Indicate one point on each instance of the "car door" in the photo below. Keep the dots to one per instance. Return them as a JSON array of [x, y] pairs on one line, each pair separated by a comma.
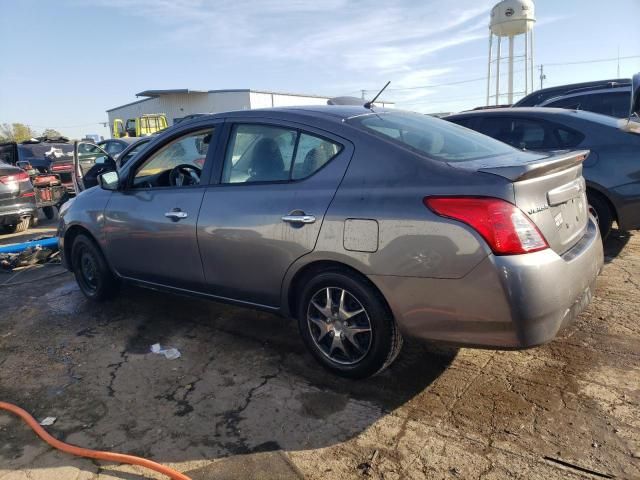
[[150, 223], [275, 181]]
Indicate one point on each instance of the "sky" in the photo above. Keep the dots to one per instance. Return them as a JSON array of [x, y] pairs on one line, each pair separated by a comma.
[[65, 62]]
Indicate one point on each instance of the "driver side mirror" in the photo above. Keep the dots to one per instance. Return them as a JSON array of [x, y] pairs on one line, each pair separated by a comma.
[[109, 180], [635, 95]]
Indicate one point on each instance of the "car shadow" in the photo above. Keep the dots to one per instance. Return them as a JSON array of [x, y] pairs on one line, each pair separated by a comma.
[[615, 243], [244, 389]]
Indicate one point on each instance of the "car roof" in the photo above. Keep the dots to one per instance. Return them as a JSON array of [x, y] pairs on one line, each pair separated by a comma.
[[583, 87], [328, 112]]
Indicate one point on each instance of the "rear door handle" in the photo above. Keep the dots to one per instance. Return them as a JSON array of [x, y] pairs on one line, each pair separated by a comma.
[[299, 218], [176, 214]]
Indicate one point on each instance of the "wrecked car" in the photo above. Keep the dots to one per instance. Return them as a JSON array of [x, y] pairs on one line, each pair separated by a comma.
[[18, 208], [35, 157], [364, 224]]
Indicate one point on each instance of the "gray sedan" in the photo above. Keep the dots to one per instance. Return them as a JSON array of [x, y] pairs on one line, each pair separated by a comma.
[[612, 170], [365, 225]]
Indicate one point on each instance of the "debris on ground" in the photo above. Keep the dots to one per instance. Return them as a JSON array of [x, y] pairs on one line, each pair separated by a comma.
[[47, 421], [365, 467], [169, 353], [34, 252]]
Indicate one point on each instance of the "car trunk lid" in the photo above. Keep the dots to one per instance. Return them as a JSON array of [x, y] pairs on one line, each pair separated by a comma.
[[549, 189]]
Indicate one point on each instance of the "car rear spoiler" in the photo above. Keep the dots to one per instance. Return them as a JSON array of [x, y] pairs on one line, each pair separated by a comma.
[[544, 166]]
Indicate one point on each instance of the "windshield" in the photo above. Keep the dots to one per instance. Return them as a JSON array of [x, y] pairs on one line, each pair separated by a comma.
[[126, 156], [432, 137]]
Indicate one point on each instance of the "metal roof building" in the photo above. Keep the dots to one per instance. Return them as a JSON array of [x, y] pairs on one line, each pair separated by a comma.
[[178, 103]]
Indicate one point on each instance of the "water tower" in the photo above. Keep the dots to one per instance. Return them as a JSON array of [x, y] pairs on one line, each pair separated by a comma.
[[513, 19]]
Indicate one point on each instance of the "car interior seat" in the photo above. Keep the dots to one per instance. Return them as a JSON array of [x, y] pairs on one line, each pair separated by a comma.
[[313, 160], [266, 162]]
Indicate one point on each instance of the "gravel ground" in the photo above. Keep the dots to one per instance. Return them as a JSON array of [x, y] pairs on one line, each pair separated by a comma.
[[246, 401]]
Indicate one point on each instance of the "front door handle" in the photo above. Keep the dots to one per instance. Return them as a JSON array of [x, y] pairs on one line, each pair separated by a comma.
[[302, 218], [176, 214]]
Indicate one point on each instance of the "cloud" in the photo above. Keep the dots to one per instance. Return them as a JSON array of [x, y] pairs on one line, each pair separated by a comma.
[[345, 41], [388, 35]]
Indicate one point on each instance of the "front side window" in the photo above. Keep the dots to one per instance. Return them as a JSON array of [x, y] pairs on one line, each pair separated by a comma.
[[432, 137], [259, 153], [267, 153], [615, 104], [177, 164]]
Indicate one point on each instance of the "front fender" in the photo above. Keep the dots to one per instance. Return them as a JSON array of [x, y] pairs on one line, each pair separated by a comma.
[[85, 212]]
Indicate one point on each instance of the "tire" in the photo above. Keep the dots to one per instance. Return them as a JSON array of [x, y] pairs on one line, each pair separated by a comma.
[[369, 340], [49, 212], [601, 210], [22, 226], [92, 273]]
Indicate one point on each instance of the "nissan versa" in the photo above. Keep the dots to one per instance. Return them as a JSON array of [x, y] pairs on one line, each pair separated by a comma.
[[366, 225]]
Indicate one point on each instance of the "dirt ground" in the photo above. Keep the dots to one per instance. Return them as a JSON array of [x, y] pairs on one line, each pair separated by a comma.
[[246, 401]]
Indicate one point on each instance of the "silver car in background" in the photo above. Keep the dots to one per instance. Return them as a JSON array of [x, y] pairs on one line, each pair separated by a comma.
[[365, 225]]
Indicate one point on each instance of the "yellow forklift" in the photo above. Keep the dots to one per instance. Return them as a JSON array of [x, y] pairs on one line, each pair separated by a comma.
[[139, 126]]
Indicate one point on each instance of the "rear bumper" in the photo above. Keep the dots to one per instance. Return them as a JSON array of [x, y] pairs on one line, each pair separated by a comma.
[[515, 301], [12, 213]]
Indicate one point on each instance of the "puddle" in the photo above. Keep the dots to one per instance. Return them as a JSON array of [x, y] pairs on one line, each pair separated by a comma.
[[65, 300]]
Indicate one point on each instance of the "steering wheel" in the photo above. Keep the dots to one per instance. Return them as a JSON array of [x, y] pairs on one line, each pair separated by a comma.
[[184, 174]]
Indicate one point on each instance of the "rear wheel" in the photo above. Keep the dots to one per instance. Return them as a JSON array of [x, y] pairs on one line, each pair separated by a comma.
[[22, 226], [92, 273], [600, 209], [346, 325]]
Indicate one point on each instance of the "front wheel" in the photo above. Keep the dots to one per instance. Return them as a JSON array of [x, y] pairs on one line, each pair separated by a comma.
[[346, 325], [92, 273]]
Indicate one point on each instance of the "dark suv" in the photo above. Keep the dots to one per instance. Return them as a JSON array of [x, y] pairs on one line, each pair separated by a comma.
[[609, 97]]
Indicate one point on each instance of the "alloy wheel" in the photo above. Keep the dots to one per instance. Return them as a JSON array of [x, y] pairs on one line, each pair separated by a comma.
[[339, 325]]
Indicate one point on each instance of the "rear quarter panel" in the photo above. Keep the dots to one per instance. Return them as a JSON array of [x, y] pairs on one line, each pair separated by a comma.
[[387, 184]]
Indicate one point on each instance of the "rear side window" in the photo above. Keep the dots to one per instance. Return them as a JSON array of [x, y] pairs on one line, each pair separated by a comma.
[[568, 138], [312, 154], [435, 138], [531, 134], [268, 153]]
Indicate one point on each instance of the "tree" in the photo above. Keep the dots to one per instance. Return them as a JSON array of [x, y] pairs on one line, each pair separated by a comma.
[[51, 133], [16, 132]]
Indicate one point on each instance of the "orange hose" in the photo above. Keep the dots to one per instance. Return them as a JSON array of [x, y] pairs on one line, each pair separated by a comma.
[[85, 452]]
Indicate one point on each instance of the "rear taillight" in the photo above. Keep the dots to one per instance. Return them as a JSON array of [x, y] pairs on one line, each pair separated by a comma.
[[18, 177], [64, 167], [506, 229]]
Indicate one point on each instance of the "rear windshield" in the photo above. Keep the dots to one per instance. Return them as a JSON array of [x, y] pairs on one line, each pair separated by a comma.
[[432, 137]]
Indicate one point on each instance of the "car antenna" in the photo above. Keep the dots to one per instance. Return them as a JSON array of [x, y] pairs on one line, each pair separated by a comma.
[[369, 104]]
